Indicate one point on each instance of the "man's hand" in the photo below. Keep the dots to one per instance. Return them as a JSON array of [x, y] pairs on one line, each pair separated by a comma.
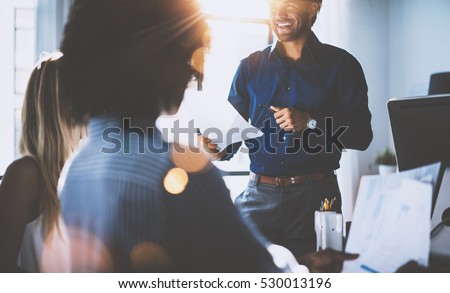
[[205, 144], [413, 267], [326, 261], [290, 119]]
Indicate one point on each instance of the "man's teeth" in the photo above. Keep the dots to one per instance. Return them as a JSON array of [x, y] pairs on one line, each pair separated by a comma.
[[284, 24]]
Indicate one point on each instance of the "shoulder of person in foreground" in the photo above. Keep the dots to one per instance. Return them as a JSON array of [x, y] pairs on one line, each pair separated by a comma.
[[219, 239]]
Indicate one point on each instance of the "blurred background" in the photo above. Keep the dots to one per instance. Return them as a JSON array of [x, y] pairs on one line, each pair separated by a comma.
[[399, 44]]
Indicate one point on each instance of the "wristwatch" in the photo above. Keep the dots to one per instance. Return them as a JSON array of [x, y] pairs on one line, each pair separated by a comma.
[[312, 123]]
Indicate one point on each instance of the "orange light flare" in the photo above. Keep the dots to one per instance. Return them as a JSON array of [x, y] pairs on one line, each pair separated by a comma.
[[176, 181], [150, 257], [89, 253], [190, 159]]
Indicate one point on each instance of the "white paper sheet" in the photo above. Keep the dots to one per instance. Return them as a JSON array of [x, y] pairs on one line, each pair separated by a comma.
[[219, 121], [384, 240]]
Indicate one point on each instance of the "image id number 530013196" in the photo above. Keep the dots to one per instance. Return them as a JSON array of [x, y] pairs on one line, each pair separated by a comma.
[[295, 283]]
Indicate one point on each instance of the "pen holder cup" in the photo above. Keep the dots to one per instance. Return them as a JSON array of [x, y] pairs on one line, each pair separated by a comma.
[[329, 230]]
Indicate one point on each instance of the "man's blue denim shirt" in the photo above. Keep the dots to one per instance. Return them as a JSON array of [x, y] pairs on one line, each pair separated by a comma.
[[325, 82]]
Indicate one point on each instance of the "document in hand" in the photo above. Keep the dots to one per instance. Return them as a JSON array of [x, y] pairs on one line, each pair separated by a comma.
[[391, 222], [219, 121]]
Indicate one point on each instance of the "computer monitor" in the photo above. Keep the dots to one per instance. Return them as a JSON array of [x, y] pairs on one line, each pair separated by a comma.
[[421, 130]]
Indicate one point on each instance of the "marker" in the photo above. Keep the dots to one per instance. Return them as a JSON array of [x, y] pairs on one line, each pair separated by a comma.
[[368, 269], [332, 202], [267, 108]]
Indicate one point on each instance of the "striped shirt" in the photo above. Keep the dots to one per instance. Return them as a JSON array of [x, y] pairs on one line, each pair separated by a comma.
[[129, 206]]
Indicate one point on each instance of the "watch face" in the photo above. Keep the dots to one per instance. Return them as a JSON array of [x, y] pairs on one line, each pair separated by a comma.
[[312, 124]]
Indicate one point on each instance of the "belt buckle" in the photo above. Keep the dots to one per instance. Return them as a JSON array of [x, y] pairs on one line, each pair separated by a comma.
[[278, 181], [293, 180]]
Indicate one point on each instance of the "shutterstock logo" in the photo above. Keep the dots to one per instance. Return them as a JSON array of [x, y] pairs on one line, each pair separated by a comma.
[[130, 138]]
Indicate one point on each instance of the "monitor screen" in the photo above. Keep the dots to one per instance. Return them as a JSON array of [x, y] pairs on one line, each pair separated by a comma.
[[421, 130]]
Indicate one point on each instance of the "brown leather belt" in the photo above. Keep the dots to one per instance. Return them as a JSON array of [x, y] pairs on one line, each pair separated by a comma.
[[285, 181]]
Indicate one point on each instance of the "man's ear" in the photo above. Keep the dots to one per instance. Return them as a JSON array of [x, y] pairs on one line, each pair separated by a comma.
[[315, 8], [313, 11]]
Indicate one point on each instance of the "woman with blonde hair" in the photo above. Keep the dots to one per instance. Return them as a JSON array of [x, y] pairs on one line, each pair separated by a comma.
[[29, 204]]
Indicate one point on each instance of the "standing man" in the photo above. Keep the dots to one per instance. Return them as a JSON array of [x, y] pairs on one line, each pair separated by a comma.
[[310, 101]]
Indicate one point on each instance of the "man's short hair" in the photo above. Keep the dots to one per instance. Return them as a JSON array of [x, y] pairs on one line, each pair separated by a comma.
[[128, 58], [317, 1]]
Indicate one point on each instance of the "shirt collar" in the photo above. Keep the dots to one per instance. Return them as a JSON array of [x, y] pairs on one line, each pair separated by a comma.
[[311, 47], [98, 124]]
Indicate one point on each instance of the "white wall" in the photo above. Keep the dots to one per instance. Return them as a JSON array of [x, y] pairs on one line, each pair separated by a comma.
[[419, 44]]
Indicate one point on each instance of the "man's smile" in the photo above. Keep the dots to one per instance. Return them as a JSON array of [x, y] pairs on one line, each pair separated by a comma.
[[284, 25]]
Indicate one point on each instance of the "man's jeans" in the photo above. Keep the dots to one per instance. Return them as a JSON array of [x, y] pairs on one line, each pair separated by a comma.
[[285, 215]]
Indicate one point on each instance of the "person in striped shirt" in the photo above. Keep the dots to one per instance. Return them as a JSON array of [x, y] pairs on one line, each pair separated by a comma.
[[131, 201]]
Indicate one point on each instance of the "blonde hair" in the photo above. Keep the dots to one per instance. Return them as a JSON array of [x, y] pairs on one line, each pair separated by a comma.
[[46, 136]]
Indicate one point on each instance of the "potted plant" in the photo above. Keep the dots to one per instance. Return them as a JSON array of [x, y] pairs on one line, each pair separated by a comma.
[[386, 161]]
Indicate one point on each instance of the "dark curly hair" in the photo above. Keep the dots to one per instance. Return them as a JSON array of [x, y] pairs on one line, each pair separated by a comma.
[[129, 58]]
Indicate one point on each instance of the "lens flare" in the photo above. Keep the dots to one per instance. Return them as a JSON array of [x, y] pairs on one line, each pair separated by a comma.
[[190, 159], [150, 257], [198, 59], [88, 253], [55, 257], [176, 181]]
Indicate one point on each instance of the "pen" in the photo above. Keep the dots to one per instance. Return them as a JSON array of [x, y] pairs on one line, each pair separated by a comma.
[[332, 202], [266, 107]]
